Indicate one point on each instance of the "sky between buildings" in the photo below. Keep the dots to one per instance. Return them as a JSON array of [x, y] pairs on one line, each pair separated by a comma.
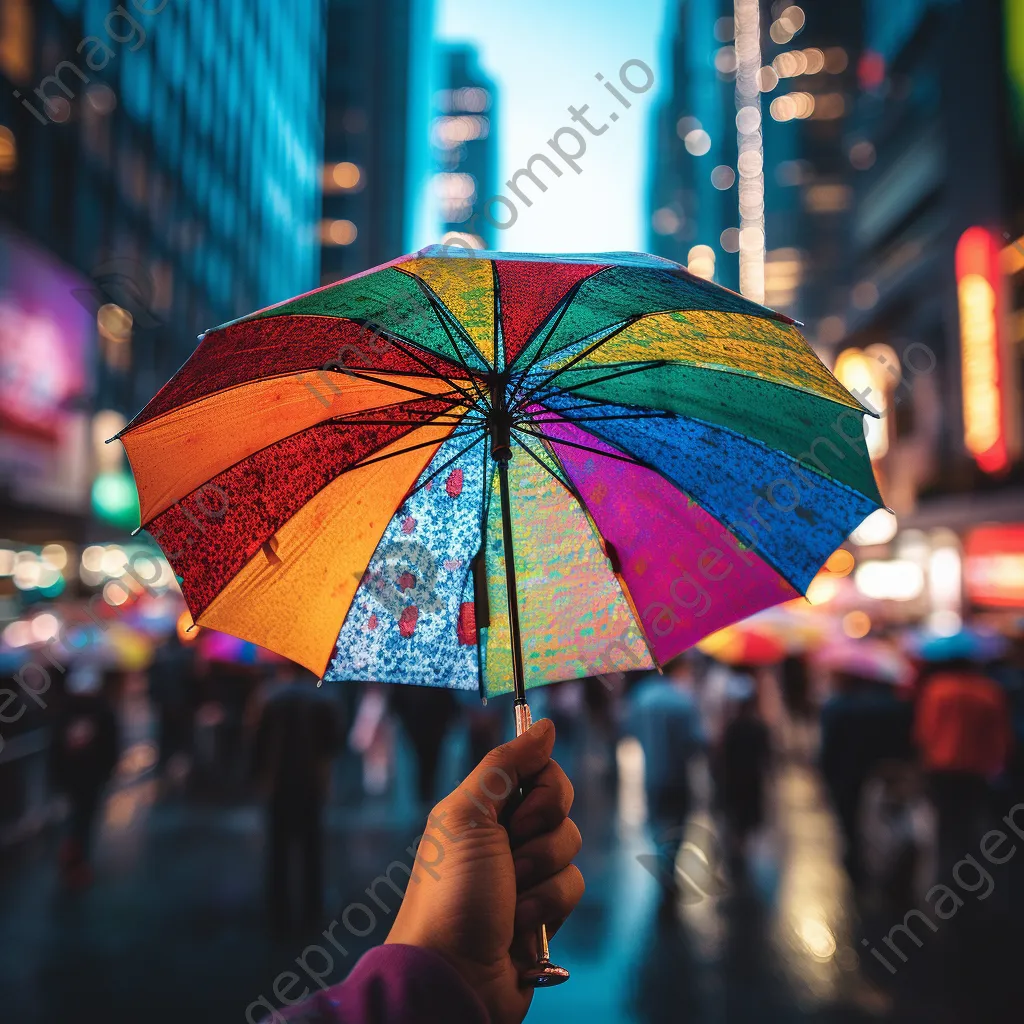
[[543, 55]]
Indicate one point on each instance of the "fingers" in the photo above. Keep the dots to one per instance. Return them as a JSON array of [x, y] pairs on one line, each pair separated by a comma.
[[544, 807], [550, 902], [546, 854], [500, 774]]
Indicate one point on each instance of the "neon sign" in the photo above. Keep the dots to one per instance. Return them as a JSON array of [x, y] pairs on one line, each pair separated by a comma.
[[978, 289]]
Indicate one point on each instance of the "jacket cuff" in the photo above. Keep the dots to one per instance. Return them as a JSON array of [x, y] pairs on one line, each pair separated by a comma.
[[397, 984]]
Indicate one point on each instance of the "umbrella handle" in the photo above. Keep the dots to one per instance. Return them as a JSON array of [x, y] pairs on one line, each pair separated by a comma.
[[543, 974]]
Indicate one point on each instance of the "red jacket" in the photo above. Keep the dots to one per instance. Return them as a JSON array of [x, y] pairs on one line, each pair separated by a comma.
[[963, 725]]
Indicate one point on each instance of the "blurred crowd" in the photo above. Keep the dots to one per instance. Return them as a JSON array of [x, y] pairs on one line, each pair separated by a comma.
[[919, 741]]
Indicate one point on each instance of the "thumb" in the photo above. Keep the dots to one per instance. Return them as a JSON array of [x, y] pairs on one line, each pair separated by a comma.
[[494, 781]]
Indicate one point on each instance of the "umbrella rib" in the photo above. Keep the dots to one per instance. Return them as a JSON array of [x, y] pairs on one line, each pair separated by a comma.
[[582, 447], [342, 422], [583, 403], [582, 355], [411, 448], [566, 303], [368, 415], [645, 464], [610, 366], [412, 406], [438, 307], [401, 387], [653, 365], [654, 414], [444, 465], [396, 341], [565, 483], [469, 373]]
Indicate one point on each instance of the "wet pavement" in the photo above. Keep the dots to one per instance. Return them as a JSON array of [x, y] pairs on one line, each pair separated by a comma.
[[173, 928]]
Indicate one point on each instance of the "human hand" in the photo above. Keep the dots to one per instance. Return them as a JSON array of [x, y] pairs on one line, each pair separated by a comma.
[[480, 889]]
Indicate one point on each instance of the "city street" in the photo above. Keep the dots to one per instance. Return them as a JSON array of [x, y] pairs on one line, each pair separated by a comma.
[[398, 397], [177, 911]]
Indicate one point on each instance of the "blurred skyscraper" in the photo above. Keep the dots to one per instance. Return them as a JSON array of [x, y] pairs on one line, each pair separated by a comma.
[[808, 89], [893, 212], [933, 156], [693, 159], [169, 152], [742, 170], [380, 75], [466, 148]]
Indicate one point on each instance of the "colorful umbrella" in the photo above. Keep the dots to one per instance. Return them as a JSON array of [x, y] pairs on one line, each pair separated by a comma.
[[970, 643], [736, 645], [225, 648], [494, 471], [867, 658]]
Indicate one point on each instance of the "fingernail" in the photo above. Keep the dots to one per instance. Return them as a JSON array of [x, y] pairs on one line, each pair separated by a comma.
[[541, 727]]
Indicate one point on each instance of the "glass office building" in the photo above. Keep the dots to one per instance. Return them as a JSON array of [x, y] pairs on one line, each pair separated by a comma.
[[171, 152], [162, 157], [381, 63], [465, 144], [693, 138], [747, 157]]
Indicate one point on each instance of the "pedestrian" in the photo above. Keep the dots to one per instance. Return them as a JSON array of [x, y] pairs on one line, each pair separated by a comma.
[[795, 685], [664, 717], [425, 712], [171, 685], [743, 763], [799, 734], [296, 740], [486, 724], [83, 755], [964, 733], [864, 724]]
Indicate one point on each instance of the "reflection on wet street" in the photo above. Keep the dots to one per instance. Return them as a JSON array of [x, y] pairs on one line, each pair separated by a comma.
[[177, 909]]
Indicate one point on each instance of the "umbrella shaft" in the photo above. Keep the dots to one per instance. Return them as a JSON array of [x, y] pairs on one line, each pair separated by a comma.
[[515, 645], [543, 973]]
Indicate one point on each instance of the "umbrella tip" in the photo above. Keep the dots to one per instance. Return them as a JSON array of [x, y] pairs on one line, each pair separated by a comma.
[[135, 531], [319, 683]]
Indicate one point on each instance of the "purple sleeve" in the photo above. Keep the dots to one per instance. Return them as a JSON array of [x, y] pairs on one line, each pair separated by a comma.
[[394, 985]]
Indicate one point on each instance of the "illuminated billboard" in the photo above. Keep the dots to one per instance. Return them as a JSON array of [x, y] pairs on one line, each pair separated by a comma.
[[46, 358], [994, 565], [984, 368]]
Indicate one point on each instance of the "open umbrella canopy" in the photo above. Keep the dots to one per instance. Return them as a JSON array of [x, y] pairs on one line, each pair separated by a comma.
[[736, 645], [326, 475], [225, 648], [867, 658], [966, 644]]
